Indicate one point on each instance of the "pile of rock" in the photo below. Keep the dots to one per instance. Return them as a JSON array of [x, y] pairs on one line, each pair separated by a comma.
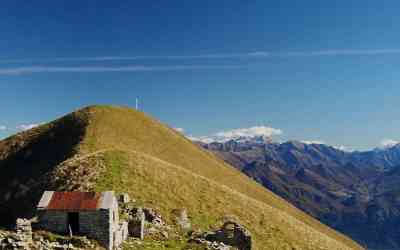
[[20, 239], [76, 243], [153, 217], [23, 229], [231, 234], [10, 242], [23, 239], [47, 245], [211, 245]]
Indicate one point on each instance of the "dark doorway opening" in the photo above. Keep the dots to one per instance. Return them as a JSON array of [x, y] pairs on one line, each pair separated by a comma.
[[73, 223]]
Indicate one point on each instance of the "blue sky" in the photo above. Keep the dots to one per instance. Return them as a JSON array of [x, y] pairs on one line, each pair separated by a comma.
[[315, 70]]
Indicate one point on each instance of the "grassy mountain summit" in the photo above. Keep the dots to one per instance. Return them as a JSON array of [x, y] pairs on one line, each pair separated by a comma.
[[109, 147]]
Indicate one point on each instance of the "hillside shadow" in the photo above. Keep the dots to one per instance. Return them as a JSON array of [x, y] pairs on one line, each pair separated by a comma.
[[29, 159]]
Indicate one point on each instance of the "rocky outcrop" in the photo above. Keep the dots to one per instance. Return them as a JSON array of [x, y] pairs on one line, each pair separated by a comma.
[[231, 234]]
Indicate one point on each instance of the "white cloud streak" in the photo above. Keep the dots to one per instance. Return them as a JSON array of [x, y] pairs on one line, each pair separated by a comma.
[[96, 69], [223, 136], [387, 143], [341, 52], [343, 148], [140, 68], [204, 139], [257, 131], [2, 127], [248, 132], [180, 130], [313, 142], [340, 147], [135, 58], [254, 54]]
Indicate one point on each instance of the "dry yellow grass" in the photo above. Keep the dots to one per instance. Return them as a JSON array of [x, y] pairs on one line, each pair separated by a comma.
[[109, 147], [131, 131], [166, 186]]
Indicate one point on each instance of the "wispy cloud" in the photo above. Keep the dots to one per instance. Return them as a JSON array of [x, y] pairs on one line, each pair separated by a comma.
[[343, 148], [340, 147], [232, 134], [248, 132], [134, 58], [34, 68], [252, 54], [180, 130], [259, 131], [96, 69], [340, 52], [204, 139], [24, 127], [2, 127], [313, 142], [387, 143]]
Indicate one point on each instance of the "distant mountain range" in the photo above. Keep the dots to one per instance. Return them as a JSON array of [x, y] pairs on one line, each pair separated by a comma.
[[297, 154], [357, 193]]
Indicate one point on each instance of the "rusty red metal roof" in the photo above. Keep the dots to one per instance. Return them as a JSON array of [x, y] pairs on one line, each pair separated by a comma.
[[74, 201]]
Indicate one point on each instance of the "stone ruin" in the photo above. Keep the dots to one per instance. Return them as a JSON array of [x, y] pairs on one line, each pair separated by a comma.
[[136, 224], [153, 217], [182, 219], [23, 229], [124, 198], [231, 234], [21, 239], [139, 217]]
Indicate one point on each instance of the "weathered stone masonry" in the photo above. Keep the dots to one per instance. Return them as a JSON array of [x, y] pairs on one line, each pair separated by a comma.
[[95, 215]]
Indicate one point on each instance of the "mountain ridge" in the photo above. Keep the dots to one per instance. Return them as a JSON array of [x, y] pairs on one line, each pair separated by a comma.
[[127, 151], [354, 192], [385, 157]]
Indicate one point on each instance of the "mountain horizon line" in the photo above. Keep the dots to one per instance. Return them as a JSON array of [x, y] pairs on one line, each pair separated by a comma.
[[269, 140]]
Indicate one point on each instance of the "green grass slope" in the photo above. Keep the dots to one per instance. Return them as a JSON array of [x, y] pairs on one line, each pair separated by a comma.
[[128, 151]]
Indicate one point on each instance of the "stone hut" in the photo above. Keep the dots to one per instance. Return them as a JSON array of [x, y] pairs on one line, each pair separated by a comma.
[[91, 214]]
